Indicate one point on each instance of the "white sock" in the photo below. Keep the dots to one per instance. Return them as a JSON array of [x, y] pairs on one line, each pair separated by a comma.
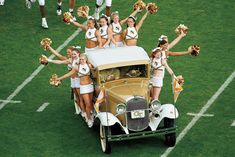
[[59, 4], [70, 10], [44, 19]]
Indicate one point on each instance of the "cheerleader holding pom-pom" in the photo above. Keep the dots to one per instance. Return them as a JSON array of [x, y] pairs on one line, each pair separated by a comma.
[[86, 86]]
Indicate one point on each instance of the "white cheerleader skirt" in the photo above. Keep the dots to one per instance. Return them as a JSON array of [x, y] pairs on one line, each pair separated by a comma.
[[84, 89], [156, 81], [119, 44], [75, 82], [87, 50]]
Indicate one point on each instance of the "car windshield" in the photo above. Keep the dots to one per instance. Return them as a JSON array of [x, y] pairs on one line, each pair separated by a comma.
[[135, 71]]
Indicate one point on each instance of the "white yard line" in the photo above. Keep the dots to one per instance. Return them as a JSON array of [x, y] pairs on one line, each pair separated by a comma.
[[202, 115], [233, 124], [43, 106], [11, 101], [202, 111], [35, 73]]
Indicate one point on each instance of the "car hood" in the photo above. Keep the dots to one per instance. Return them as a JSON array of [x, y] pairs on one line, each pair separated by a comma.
[[125, 90]]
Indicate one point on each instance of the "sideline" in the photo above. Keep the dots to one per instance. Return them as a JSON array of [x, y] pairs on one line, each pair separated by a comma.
[[202, 111], [35, 73]]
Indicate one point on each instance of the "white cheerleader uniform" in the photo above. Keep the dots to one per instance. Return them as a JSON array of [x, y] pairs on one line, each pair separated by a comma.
[[117, 29], [75, 82], [104, 33], [90, 35], [156, 64], [131, 33], [84, 70]]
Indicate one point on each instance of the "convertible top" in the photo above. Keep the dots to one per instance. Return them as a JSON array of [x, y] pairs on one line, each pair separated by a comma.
[[116, 57]]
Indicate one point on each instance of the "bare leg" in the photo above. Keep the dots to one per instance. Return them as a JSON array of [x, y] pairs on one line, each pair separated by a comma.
[[71, 5], [59, 7], [86, 99], [43, 15], [79, 99], [108, 11], [156, 93]]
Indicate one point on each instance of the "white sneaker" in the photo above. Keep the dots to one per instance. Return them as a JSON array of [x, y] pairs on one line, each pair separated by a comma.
[[2, 2], [44, 24], [28, 4], [90, 123], [33, 1], [97, 11], [59, 12]]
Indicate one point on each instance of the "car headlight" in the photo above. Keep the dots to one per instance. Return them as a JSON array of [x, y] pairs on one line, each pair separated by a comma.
[[155, 106], [121, 108]]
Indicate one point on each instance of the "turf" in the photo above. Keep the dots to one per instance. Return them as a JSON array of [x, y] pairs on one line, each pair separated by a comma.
[[58, 132]]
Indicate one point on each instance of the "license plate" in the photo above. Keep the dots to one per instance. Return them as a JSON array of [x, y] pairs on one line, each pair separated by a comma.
[[137, 114]]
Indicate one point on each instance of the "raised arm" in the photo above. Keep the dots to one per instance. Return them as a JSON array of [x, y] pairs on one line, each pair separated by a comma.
[[53, 51], [138, 26], [58, 61], [132, 14], [176, 40], [69, 74], [169, 53], [84, 27]]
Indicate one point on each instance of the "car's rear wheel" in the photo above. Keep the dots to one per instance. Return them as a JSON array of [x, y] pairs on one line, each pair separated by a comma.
[[105, 144], [170, 139]]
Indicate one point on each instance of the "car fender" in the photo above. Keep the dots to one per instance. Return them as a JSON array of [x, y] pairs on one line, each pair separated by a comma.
[[108, 119], [169, 111]]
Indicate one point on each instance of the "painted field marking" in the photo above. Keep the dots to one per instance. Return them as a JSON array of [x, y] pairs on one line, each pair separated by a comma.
[[43, 106], [35, 73], [202, 111], [233, 124], [202, 115], [11, 101]]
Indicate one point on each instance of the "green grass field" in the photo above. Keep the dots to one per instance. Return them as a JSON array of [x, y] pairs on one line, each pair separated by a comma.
[[58, 132]]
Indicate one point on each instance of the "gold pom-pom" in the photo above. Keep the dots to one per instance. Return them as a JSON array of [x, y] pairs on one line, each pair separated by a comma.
[[194, 50], [81, 10], [67, 17], [180, 80], [53, 80], [45, 43], [43, 60], [180, 28], [139, 4], [152, 8]]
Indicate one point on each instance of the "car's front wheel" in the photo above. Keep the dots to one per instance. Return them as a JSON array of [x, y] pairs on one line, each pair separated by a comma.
[[170, 139], [105, 144]]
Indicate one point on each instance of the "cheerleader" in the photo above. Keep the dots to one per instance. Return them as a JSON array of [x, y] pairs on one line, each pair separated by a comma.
[[115, 28], [130, 34], [92, 36], [158, 66], [86, 86], [105, 34], [165, 46], [71, 60]]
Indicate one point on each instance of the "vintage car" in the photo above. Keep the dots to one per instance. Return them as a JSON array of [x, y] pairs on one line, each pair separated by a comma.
[[121, 78]]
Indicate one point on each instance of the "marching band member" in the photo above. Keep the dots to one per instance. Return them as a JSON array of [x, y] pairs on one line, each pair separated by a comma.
[[93, 37], [28, 4], [59, 6], [71, 61], [86, 85], [130, 34], [158, 66], [115, 28], [105, 34], [98, 5]]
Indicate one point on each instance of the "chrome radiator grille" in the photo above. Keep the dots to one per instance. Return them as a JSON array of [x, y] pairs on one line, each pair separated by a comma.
[[137, 114]]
